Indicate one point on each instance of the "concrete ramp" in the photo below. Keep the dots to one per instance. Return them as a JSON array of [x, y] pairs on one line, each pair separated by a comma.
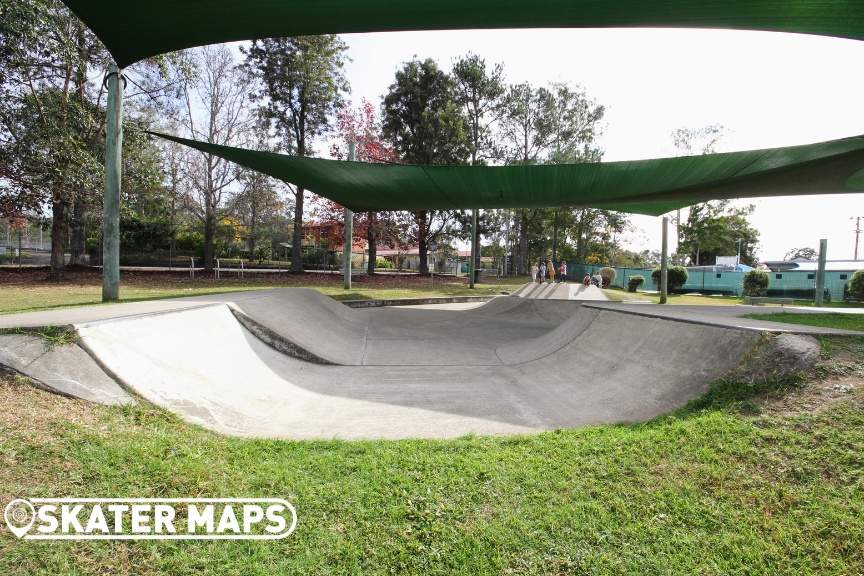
[[546, 291], [306, 324], [596, 366], [309, 326], [512, 365]]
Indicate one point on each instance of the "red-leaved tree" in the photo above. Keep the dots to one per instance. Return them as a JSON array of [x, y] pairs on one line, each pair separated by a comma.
[[390, 228]]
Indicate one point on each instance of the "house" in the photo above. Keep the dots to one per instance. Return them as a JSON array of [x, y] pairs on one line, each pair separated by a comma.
[[324, 234]]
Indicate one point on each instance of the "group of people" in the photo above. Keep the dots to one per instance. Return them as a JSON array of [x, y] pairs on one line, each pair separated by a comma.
[[540, 270], [595, 280]]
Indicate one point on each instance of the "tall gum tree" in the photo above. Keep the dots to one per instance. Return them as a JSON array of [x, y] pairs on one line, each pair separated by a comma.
[[480, 91], [557, 124], [217, 102], [424, 122], [303, 81]]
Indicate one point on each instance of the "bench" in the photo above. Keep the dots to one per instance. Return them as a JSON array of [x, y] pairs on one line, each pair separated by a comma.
[[767, 300]]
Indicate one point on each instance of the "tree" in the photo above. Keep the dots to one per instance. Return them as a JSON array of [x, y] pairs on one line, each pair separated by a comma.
[[52, 119], [557, 124], [755, 283], [258, 206], [361, 126], [50, 136], [676, 277], [802, 254], [480, 92], [713, 229], [303, 82], [856, 285], [423, 120], [704, 140], [575, 125], [221, 90], [691, 142]]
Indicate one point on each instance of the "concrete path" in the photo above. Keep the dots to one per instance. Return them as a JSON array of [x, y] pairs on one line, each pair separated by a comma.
[[510, 365]]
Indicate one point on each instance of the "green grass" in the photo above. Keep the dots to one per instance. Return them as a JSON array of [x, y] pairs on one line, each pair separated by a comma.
[[29, 291], [714, 488], [56, 335], [828, 320]]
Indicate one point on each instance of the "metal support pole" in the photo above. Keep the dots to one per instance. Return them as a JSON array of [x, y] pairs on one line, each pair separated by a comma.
[[473, 266], [664, 262], [857, 233], [820, 272], [111, 203], [349, 228]]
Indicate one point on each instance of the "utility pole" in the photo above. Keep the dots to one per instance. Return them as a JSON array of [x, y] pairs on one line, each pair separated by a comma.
[[820, 274], [664, 262], [857, 233], [738, 260], [115, 83]]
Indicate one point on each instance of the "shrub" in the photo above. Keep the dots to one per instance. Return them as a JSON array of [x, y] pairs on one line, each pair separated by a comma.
[[676, 277], [634, 282], [383, 263], [188, 240], [755, 283], [856, 285], [608, 275]]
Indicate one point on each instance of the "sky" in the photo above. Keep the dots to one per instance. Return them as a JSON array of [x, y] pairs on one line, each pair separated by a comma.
[[767, 89]]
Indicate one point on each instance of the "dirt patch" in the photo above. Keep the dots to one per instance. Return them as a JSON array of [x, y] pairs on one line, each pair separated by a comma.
[[837, 376]]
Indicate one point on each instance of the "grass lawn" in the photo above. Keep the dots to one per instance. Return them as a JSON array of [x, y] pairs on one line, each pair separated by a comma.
[[828, 320], [27, 290]]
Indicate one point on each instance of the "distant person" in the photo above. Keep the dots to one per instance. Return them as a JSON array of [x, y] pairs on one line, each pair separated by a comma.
[[562, 273], [587, 280], [542, 274], [551, 268], [598, 280], [534, 271]]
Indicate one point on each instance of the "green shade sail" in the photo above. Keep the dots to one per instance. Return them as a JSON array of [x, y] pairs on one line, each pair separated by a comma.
[[650, 187], [136, 29]]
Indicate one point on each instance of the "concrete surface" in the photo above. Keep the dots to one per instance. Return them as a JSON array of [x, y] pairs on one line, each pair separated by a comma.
[[510, 365], [63, 369]]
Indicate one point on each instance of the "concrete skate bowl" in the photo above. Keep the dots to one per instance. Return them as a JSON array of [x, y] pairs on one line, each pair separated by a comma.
[[508, 366]]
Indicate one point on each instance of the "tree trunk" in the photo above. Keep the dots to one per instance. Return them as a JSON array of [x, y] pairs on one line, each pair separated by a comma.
[[59, 229], [422, 241], [523, 242], [371, 239], [423, 254], [296, 252], [79, 232], [517, 265], [555, 235], [209, 234]]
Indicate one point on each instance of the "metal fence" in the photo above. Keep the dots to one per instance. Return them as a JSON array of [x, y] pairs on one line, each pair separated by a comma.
[[791, 284], [30, 237]]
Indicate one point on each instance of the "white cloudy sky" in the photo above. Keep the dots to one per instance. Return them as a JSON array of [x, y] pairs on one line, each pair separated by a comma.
[[768, 89]]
